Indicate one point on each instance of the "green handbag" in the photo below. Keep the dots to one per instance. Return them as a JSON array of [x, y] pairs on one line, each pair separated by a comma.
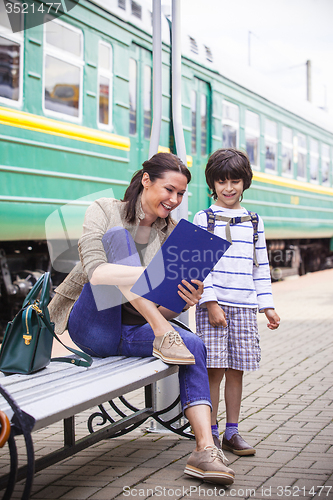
[[27, 344]]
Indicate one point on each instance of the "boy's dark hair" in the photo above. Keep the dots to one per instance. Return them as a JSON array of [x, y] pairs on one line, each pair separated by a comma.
[[228, 163]]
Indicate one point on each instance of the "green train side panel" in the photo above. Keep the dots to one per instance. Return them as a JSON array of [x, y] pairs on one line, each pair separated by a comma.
[[289, 213]]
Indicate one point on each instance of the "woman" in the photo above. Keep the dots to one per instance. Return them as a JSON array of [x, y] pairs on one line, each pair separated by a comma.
[[119, 239]]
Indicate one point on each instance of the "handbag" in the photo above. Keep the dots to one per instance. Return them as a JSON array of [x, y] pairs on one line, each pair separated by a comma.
[[27, 344]]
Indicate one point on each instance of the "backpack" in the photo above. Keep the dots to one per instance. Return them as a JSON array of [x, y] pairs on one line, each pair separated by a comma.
[[252, 216]]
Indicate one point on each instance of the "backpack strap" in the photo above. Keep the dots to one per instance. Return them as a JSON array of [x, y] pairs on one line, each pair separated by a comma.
[[210, 220], [212, 217], [252, 216], [255, 222]]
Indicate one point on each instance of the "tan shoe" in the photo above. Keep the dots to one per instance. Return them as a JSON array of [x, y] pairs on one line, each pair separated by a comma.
[[208, 465], [171, 349]]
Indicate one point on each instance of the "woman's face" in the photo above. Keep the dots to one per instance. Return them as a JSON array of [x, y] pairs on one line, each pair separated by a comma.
[[162, 195]]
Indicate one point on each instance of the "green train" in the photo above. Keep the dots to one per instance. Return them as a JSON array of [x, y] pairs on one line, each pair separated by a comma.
[[75, 123]]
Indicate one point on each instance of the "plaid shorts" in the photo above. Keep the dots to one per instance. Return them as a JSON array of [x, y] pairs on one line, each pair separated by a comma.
[[235, 346]]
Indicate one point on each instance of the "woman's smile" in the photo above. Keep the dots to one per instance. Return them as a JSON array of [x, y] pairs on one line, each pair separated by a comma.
[[163, 195]]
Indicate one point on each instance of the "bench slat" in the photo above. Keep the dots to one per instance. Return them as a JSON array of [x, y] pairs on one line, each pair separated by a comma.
[[42, 395]]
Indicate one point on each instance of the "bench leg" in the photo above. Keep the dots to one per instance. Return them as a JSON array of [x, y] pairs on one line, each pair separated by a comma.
[[69, 431]]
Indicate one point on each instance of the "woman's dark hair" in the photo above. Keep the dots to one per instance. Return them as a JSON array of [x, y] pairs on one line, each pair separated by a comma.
[[228, 164], [156, 167]]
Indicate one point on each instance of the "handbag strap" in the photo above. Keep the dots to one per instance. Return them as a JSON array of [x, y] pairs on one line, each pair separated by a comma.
[[43, 283], [86, 361]]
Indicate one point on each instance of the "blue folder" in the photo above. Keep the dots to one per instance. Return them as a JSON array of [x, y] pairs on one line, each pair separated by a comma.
[[188, 253]]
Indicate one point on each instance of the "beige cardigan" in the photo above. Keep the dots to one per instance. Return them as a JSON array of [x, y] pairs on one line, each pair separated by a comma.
[[101, 216]]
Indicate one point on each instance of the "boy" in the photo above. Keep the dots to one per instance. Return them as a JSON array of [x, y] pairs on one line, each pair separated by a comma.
[[239, 284]]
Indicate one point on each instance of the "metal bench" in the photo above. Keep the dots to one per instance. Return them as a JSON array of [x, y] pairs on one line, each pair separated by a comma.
[[61, 391]]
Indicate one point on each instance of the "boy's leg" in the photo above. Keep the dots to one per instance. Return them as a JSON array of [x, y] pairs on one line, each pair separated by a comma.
[[232, 440], [233, 394], [215, 376]]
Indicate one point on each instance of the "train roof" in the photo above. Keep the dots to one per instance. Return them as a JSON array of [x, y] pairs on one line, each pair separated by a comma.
[[255, 82], [138, 13]]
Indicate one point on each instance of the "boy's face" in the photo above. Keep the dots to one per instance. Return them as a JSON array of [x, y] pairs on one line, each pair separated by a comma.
[[229, 192]]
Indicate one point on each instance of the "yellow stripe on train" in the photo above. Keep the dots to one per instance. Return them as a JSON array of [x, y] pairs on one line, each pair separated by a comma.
[[291, 183], [37, 123]]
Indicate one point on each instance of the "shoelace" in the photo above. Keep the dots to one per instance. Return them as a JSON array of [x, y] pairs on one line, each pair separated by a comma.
[[216, 453], [174, 338]]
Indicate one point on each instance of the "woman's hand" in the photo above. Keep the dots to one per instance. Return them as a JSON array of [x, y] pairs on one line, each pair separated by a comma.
[[190, 294]]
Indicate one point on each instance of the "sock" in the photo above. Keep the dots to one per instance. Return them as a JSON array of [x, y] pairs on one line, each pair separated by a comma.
[[215, 431], [230, 430]]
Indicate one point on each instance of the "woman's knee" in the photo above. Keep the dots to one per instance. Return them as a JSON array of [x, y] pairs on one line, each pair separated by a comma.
[[193, 342]]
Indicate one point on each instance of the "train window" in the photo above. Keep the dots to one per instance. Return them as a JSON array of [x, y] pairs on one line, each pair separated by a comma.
[[252, 137], [230, 125], [301, 156], [314, 160], [132, 95], [271, 140], [203, 113], [63, 64], [104, 83], [11, 59], [287, 151], [11, 18], [194, 122], [147, 101], [325, 164], [63, 37]]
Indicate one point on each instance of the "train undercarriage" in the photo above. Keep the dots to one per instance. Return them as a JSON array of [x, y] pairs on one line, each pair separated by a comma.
[[22, 263]]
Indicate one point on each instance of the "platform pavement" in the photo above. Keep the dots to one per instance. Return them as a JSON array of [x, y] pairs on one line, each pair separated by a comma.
[[286, 412]]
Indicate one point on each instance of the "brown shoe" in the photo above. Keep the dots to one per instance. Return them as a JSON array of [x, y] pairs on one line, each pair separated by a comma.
[[237, 445], [208, 465], [217, 442], [171, 349]]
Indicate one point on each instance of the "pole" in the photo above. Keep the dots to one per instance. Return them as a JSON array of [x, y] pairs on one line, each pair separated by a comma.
[[308, 81], [176, 72], [157, 79], [166, 390]]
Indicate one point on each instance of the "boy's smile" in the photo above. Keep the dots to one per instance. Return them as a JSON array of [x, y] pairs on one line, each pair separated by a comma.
[[229, 192]]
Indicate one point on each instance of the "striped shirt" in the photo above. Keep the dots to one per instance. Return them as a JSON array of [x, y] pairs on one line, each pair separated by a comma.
[[235, 280]]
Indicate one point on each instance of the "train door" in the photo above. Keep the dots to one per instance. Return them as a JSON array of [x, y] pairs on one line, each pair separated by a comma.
[[140, 99], [200, 145]]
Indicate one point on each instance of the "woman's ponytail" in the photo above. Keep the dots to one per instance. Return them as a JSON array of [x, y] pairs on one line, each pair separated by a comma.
[[132, 193]]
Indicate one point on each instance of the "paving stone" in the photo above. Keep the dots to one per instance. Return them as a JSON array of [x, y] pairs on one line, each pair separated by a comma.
[[286, 413]]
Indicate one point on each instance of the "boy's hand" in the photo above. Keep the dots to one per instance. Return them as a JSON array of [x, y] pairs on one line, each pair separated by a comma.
[[273, 318], [216, 315]]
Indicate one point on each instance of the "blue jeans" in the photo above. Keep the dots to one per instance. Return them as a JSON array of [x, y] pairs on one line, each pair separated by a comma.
[[95, 325]]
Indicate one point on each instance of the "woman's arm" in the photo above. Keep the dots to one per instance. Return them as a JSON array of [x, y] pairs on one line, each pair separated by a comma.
[[116, 274]]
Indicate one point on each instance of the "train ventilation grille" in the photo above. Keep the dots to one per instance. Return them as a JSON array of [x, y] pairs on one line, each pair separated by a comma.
[[193, 45], [122, 4], [209, 55], [136, 10]]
